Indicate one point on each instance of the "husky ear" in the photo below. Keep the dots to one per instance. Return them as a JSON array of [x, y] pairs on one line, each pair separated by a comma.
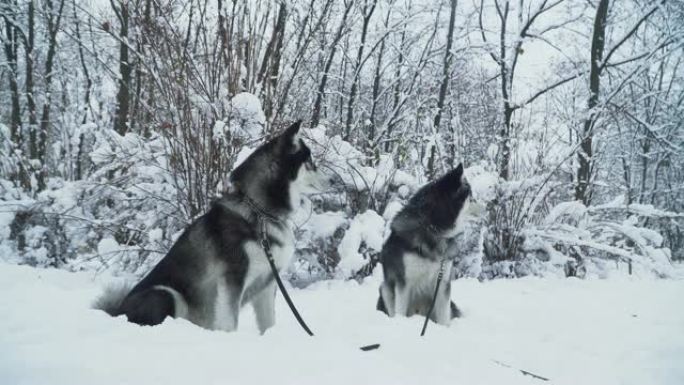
[[452, 179], [290, 134], [459, 170]]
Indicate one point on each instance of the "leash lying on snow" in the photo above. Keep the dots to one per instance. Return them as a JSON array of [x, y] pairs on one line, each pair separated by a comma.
[[266, 245], [434, 297]]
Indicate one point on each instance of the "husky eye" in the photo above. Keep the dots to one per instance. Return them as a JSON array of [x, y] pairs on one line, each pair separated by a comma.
[[310, 165]]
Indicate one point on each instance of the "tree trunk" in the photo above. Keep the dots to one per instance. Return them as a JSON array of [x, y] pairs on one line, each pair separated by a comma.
[[505, 135], [507, 109], [123, 93], [54, 18], [342, 83], [367, 14], [397, 84], [446, 74], [80, 159], [584, 156], [30, 101], [316, 116], [11, 47], [376, 84], [270, 65]]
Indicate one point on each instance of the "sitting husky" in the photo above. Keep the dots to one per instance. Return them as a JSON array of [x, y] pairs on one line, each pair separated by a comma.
[[422, 236], [218, 264]]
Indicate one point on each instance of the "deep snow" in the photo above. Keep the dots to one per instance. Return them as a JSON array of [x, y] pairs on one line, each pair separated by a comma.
[[616, 331]]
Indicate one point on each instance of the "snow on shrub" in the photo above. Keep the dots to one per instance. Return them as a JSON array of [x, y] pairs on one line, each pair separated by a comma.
[[592, 236], [366, 186], [245, 118], [324, 225], [361, 241], [318, 236], [133, 202]]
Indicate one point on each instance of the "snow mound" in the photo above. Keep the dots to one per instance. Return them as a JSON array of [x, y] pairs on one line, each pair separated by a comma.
[[570, 331]]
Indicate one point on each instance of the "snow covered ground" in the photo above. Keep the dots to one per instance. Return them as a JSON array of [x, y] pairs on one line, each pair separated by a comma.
[[616, 331]]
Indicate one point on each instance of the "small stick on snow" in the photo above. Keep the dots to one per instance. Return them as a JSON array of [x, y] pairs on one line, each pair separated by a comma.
[[525, 372]]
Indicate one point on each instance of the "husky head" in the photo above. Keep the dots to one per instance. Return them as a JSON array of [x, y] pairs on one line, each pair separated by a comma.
[[278, 172], [439, 206]]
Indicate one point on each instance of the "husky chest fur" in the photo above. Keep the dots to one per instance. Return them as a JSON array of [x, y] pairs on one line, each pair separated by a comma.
[[218, 264], [422, 236]]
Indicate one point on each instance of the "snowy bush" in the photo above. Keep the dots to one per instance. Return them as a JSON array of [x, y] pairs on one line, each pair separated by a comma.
[[140, 191], [316, 249], [361, 244], [364, 186], [525, 234], [591, 237], [510, 209]]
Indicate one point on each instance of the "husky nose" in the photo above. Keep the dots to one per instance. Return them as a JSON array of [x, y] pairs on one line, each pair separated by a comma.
[[335, 182]]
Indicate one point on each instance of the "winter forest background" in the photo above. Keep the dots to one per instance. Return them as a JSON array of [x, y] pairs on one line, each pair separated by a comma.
[[121, 120]]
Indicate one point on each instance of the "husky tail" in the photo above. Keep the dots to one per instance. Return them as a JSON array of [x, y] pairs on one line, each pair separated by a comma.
[[110, 300]]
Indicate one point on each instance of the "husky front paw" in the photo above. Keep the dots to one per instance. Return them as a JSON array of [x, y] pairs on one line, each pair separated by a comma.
[[380, 306], [455, 311]]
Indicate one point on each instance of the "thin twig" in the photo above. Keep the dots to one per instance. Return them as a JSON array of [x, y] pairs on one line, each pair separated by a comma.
[[525, 372]]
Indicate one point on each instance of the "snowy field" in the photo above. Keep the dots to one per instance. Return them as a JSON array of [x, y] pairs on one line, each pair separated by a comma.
[[617, 331]]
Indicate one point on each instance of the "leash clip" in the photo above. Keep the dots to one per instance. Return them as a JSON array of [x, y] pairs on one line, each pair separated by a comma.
[[265, 244]]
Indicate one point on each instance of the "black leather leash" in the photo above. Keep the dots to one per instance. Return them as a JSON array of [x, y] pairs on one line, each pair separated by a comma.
[[266, 245], [434, 297], [263, 217]]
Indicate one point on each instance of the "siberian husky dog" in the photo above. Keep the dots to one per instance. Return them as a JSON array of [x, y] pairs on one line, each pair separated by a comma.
[[422, 236], [218, 264]]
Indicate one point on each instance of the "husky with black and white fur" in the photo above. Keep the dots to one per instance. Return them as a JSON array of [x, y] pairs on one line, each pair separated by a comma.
[[218, 264], [422, 235]]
